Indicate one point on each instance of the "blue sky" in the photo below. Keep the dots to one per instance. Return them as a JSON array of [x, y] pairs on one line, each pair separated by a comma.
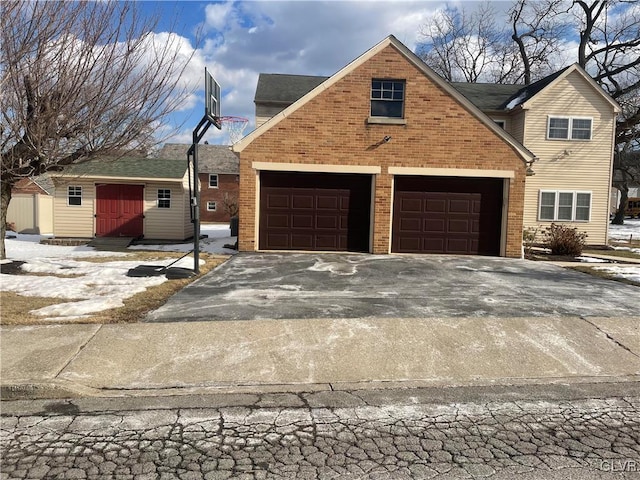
[[239, 40]]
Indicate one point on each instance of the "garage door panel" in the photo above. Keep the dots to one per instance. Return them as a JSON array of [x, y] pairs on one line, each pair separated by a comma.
[[460, 206], [462, 226], [277, 201], [434, 205], [433, 245], [304, 241], [458, 246], [434, 225], [323, 211], [457, 215], [278, 221], [304, 201], [411, 225], [278, 240], [327, 222], [412, 205], [302, 221], [328, 202]]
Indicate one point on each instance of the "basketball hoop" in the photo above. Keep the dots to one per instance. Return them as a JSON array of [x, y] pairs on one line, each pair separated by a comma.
[[235, 127]]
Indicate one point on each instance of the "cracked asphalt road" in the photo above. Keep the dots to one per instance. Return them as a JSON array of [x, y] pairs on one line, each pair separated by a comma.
[[414, 439]]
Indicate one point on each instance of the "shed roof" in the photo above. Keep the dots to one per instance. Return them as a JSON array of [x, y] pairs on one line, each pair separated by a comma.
[[211, 158], [130, 167]]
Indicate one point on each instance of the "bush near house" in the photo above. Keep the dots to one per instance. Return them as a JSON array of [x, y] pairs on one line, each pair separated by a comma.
[[563, 240]]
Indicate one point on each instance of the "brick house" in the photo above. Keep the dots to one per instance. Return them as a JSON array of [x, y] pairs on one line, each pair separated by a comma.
[[219, 178], [384, 156], [565, 119]]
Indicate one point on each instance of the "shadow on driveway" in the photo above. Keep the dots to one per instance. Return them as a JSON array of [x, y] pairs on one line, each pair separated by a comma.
[[294, 286]]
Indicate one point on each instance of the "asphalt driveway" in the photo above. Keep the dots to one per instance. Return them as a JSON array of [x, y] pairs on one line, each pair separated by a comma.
[[295, 286]]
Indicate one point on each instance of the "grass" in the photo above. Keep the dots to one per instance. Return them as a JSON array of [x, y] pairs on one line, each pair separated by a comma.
[[604, 274], [15, 308], [613, 253]]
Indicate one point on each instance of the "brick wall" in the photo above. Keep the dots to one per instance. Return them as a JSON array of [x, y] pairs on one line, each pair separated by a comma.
[[226, 184], [332, 129]]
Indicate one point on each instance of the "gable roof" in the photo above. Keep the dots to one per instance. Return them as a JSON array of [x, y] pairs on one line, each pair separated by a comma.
[[129, 167], [417, 62], [211, 158], [38, 184], [527, 94], [284, 89]]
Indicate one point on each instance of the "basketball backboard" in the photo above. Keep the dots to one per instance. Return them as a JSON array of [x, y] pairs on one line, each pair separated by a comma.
[[212, 99]]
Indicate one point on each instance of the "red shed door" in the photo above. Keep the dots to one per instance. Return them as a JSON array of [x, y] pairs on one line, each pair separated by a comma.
[[119, 210]]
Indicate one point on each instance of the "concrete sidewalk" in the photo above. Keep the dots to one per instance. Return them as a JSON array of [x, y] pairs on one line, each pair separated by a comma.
[[313, 355]]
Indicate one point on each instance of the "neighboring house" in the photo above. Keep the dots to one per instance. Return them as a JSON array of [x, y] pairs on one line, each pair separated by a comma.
[[130, 197], [565, 120], [568, 122], [219, 173], [384, 156], [31, 207]]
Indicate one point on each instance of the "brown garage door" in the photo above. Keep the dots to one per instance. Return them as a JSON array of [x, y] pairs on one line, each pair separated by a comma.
[[314, 211], [447, 215]]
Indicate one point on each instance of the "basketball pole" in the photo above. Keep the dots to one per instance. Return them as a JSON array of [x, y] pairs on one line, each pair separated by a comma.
[[198, 133]]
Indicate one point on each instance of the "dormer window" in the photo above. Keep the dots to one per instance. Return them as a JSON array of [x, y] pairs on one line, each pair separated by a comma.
[[569, 128], [387, 98]]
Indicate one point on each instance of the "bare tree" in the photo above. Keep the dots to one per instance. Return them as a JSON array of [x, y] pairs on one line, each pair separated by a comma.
[[463, 45], [608, 34], [537, 29], [79, 80], [477, 46], [609, 49]]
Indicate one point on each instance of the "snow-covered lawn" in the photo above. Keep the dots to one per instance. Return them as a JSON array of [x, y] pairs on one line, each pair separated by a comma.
[[93, 287], [86, 287]]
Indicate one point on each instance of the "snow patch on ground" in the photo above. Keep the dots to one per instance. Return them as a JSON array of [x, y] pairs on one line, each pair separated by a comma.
[[627, 272], [92, 287], [630, 228]]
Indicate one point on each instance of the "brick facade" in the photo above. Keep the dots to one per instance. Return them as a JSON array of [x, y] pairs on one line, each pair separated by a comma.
[[227, 184], [332, 129]]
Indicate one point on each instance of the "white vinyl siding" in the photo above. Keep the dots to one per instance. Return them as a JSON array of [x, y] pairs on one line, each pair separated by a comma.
[[73, 221], [159, 223], [568, 165]]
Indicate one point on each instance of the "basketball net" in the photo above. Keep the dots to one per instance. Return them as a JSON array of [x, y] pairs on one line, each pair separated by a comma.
[[234, 127]]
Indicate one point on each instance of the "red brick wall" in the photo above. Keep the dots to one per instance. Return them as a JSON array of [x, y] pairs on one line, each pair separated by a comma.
[[226, 184], [332, 129]]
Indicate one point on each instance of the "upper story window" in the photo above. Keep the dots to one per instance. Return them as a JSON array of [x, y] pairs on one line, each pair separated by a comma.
[[164, 198], [74, 195], [213, 180], [564, 206], [501, 123], [569, 128], [387, 98]]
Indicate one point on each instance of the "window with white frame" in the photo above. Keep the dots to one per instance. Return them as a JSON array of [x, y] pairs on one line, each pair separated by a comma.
[[74, 195], [562, 206], [213, 180], [212, 206], [164, 198], [387, 98], [569, 128], [501, 123]]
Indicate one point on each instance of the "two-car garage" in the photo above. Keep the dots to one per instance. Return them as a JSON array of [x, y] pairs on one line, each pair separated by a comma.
[[334, 212]]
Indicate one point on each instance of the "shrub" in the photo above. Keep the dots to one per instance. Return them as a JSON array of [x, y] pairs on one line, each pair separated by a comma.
[[563, 240]]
